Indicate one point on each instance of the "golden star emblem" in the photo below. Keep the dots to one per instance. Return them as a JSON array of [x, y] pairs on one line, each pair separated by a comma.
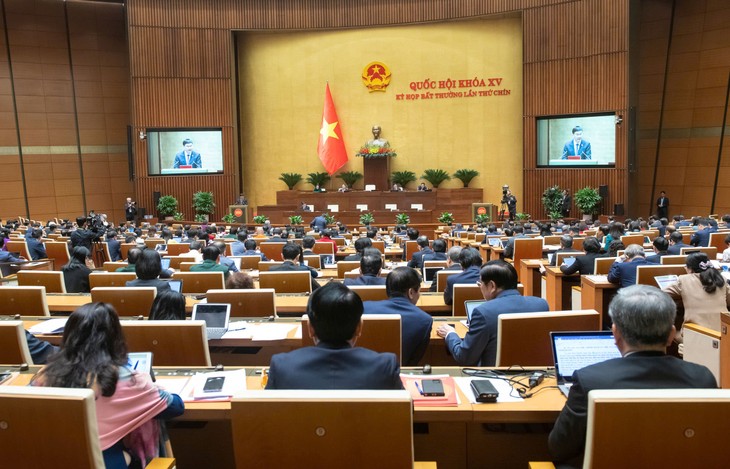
[[328, 130]]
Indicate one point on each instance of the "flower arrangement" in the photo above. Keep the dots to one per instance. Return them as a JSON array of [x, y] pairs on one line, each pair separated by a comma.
[[375, 151]]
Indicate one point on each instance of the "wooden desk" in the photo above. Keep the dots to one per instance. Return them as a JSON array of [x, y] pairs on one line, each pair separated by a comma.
[[456, 437], [531, 276], [558, 288], [67, 303], [596, 293], [432, 303]]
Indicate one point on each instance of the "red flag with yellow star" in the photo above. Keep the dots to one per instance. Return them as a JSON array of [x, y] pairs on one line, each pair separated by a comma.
[[331, 147]]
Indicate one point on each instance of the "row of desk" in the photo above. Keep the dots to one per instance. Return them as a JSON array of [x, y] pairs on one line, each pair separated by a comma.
[[503, 434]]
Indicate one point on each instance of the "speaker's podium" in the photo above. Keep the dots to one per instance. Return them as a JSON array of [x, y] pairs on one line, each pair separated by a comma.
[[240, 212]]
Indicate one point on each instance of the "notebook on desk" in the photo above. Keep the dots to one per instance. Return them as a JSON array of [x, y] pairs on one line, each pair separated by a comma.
[[216, 317], [575, 350]]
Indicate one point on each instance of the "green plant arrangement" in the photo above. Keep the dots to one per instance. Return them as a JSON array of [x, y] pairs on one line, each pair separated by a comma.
[[465, 175], [290, 179], [260, 219], [179, 216], [435, 176], [588, 200], [482, 219], [350, 177], [329, 218], [296, 220], [446, 217], [229, 218], [402, 219], [522, 216], [203, 204], [318, 179], [402, 178], [551, 200], [367, 219], [167, 206]]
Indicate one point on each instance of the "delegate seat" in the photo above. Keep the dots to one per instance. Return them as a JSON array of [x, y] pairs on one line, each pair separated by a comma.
[[127, 301], [13, 345], [51, 279], [172, 343], [380, 332], [26, 301], [287, 282], [258, 303], [200, 282]]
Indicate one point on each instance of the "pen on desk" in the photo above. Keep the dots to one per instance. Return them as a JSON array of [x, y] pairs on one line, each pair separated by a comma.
[[135, 364], [418, 386]]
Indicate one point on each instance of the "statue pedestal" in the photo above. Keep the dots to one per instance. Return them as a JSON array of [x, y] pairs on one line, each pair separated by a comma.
[[377, 171]]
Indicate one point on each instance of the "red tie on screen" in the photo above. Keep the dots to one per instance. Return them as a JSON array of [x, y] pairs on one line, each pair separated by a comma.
[[331, 147]]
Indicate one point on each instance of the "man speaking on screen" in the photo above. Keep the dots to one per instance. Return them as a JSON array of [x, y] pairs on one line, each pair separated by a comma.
[[187, 158], [577, 148]]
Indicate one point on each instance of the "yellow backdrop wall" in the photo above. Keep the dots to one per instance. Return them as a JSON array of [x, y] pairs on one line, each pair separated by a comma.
[[282, 80]]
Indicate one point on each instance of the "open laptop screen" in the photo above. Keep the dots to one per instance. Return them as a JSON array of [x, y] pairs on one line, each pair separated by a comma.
[[215, 315], [175, 285], [575, 350], [165, 263], [470, 306], [429, 273]]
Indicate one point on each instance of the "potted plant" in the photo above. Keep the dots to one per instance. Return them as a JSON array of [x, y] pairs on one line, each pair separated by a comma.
[[446, 217], [329, 218], [551, 200], [402, 178], [179, 216], [587, 200], [482, 219], [295, 220], [260, 219], [367, 219], [167, 206], [465, 175], [229, 218], [290, 179], [435, 176], [203, 204], [402, 219], [318, 179], [350, 177], [522, 216]]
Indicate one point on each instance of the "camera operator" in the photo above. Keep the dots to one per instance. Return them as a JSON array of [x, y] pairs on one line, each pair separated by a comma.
[[130, 209], [511, 202], [89, 230]]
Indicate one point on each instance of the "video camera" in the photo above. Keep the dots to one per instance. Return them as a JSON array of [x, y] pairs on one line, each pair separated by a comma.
[[505, 188]]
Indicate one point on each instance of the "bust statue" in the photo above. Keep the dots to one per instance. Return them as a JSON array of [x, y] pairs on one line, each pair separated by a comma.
[[377, 141]]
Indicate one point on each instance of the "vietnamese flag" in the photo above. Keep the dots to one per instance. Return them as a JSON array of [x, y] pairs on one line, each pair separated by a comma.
[[331, 147]]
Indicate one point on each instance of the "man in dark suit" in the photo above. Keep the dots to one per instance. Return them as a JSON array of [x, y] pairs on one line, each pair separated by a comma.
[[335, 323], [250, 249], [371, 264], [452, 263], [577, 146], [623, 271], [5, 256], [424, 248], [187, 156], [291, 253], [115, 247], [470, 261], [584, 264], [662, 205], [308, 245], [566, 245], [565, 203], [238, 247], [509, 246], [36, 250], [660, 249], [360, 245], [499, 287], [676, 244], [439, 251], [319, 223], [403, 289], [643, 326], [223, 259], [148, 267], [701, 237]]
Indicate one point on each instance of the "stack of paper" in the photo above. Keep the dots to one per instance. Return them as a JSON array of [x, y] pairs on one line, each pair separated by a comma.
[[51, 326]]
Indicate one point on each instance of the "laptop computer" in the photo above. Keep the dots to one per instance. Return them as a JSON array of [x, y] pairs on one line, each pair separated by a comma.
[[495, 242], [175, 285], [665, 280], [470, 306], [326, 260], [216, 317], [575, 350], [165, 263], [429, 274]]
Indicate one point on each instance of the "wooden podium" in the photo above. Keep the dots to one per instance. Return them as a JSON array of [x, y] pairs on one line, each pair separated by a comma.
[[377, 172], [240, 212]]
